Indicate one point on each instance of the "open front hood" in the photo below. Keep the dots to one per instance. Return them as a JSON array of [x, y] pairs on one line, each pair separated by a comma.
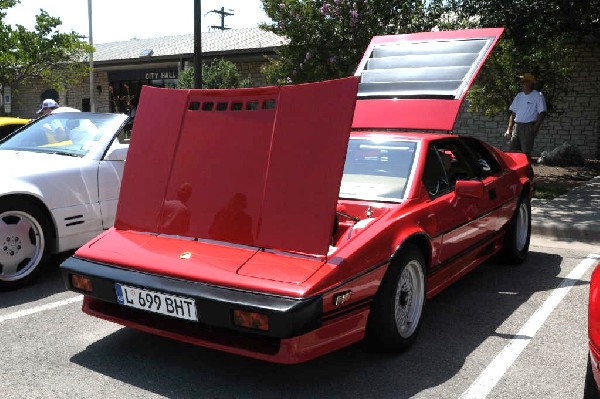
[[418, 80], [259, 167]]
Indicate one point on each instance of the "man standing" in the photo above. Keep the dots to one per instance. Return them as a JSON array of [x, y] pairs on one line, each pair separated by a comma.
[[527, 114]]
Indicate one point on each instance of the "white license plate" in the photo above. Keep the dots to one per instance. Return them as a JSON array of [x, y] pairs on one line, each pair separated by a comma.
[[157, 302]]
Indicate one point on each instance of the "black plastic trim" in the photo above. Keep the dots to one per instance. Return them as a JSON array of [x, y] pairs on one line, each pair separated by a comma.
[[288, 317]]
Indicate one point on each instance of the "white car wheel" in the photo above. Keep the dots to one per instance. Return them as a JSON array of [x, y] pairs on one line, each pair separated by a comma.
[[410, 295], [23, 243]]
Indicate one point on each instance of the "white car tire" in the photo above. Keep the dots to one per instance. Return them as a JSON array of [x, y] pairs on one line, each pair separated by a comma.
[[518, 235], [398, 307]]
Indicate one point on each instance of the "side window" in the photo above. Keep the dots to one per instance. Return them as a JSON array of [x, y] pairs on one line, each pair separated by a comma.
[[485, 160], [458, 162], [125, 133], [434, 175]]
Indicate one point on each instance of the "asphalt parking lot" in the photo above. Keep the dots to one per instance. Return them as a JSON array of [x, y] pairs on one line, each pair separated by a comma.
[[501, 332]]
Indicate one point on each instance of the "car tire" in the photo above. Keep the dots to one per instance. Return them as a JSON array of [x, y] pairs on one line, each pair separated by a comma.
[[25, 243], [398, 307], [590, 389], [518, 235]]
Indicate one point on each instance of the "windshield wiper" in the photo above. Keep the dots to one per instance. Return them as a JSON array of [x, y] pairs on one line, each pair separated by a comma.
[[70, 154], [347, 216]]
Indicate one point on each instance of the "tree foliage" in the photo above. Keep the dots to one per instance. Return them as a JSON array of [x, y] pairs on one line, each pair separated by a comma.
[[538, 38], [328, 37], [218, 74], [42, 53]]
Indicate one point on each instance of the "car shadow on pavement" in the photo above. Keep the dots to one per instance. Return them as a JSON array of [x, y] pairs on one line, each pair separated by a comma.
[[48, 283], [457, 321]]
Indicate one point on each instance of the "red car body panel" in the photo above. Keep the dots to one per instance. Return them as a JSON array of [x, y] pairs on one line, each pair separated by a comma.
[[240, 215], [285, 146], [594, 325], [213, 262]]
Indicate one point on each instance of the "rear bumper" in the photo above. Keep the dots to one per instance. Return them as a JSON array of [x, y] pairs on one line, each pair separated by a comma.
[[296, 334], [328, 338], [288, 317]]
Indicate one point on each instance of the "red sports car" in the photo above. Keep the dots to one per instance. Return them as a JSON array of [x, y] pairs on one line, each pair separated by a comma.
[[283, 223], [592, 377]]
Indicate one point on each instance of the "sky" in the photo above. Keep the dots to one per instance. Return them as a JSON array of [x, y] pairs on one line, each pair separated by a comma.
[[117, 20]]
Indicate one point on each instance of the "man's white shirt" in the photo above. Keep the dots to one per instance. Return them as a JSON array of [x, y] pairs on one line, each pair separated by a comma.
[[527, 107]]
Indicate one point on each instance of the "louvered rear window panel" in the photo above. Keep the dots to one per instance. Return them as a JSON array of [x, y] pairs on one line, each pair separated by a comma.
[[422, 69]]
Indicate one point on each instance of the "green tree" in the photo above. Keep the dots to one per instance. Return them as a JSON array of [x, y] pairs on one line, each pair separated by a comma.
[[218, 74], [327, 38], [538, 38], [43, 53]]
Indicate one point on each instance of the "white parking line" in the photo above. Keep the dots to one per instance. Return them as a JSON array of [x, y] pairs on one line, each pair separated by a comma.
[[488, 379], [37, 309]]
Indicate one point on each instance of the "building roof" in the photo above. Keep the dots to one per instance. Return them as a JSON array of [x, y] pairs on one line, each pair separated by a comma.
[[212, 42]]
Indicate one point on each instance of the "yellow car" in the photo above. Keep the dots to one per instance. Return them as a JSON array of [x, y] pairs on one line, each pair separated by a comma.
[[9, 124]]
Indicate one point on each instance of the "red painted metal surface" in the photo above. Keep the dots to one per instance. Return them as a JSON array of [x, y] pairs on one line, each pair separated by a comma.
[[212, 262], [244, 171], [594, 324], [406, 113], [414, 113]]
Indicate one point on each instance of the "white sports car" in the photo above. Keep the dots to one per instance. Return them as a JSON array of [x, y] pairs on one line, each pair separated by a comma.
[[59, 188]]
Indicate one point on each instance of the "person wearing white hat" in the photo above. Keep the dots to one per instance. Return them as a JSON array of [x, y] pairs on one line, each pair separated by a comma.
[[47, 106], [51, 106], [527, 113]]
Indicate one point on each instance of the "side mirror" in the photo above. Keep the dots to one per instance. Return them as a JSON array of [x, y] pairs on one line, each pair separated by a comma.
[[116, 154], [469, 189]]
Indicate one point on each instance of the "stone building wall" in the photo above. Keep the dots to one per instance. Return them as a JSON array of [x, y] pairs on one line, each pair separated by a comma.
[[73, 97], [252, 69], [26, 99], [577, 123]]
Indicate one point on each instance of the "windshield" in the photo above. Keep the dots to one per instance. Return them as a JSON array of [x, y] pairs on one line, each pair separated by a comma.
[[69, 133], [377, 169]]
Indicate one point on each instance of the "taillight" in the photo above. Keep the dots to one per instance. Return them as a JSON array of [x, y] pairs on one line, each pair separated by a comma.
[[257, 321], [82, 283]]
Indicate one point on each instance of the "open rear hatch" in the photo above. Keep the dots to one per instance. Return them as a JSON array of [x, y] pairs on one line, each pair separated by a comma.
[[418, 80]]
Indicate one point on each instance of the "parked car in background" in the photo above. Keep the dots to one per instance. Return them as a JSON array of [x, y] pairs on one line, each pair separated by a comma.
[[10, 124], [59, 188], [592, 377], [281, 223]]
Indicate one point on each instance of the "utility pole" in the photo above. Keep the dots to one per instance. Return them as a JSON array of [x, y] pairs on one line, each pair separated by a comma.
[[197, 46], [223, 14], [91, 40]]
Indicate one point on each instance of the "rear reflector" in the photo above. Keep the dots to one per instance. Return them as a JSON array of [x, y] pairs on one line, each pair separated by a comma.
[[82, 283], [253, 320]]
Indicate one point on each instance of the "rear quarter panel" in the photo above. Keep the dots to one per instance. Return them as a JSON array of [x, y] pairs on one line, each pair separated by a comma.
[[594, 310]]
